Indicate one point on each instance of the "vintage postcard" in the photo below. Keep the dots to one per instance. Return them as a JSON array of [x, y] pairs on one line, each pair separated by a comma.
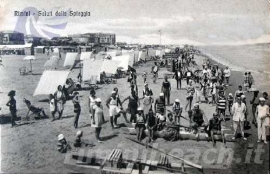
[[134, 86]]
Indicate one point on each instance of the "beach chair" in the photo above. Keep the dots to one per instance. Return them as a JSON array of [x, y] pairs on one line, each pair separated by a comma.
[[23, 71]]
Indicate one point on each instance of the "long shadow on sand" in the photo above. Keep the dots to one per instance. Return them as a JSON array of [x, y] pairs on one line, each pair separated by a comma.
[[108, 137]]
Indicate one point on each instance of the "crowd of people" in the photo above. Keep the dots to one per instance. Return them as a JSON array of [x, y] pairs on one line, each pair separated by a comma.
[[208, 85]]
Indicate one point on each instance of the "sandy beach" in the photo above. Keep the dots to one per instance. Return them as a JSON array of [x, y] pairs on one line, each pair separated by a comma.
[[31, 146]]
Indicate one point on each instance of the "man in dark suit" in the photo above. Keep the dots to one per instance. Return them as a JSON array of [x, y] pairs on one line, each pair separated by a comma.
[[178, 75]]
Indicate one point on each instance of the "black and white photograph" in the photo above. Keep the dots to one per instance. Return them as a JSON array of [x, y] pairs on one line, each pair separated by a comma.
[[135, 86]]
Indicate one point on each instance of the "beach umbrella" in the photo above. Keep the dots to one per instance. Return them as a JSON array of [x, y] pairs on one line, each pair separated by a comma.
[[30, 58]]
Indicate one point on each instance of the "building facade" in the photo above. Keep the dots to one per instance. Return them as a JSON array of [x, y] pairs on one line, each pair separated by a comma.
[[11, 38], [101, 38]]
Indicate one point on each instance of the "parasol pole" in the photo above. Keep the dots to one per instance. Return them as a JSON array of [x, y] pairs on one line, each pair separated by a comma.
[[31, 66]]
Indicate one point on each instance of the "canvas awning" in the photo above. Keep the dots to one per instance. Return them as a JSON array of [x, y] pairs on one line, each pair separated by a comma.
[[49, 82], [52, 62], [110, 66], [91, 70], [70, 59], [142, 55], [124, 61], [85, 55]]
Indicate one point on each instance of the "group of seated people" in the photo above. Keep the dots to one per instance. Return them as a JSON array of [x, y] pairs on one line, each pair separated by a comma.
[[168, 127]]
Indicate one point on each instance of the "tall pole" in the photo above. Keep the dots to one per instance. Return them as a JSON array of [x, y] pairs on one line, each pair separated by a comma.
[[159, 37]]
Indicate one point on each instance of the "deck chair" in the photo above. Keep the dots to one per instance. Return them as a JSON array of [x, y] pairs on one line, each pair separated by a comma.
[[23, 71], [35, 110]]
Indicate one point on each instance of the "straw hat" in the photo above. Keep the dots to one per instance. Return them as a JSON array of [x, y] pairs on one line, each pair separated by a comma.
[[11, 93], [262, 99], [177, 100], [79, 133], [61, 137], [98, 100], [230, 94], [113, 92], [161, 94], [139, 109]]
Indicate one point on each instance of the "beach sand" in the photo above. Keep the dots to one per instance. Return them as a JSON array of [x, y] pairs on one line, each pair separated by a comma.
[[31, 146]]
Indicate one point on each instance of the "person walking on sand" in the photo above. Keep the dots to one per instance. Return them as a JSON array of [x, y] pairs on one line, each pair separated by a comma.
[[189, 95], [140, 124], [238, 111], [166, 89], [147, 102], [188, 75], [98, 118], [112, 104], [227, 74], [144, 77], [262, 114], [178, 77], [77, 108], [91, 102], [52, 104], [155, 72], [250, 80], [60, 100], [12, 107], [198, 87], [133, 103]]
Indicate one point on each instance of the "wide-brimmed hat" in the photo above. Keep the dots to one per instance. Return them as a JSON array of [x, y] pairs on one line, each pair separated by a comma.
[[79, 133], [11, 93], [262, 99], [98, 100], [61, 137], [139, 109]]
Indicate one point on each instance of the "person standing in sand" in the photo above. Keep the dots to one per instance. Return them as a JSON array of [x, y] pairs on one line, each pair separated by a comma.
[[77, 108], [91, 101], [12, 107], [227, 74], [178, 77], [238, 111], [52, 106], [98, 118], [166, 89], [262, 114], [133, 103], [60, 100], [250, 80], [189, 95]]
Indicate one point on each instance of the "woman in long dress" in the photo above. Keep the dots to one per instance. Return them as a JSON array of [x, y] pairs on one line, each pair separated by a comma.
[[60, 100], [98, 118]]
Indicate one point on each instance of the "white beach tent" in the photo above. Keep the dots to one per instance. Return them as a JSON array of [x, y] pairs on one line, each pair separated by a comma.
[[124, 61], [114, 53], [52, 63], [91, 70], [110, 66], [131, 55], [49, 82], [160, 53], [86, 55], [142, 55], [136, 56], [70, 59], [56, 50]]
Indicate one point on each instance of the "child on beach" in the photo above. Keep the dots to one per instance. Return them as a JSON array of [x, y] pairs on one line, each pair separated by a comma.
[[230, 103], [52, 106], [144, 77]]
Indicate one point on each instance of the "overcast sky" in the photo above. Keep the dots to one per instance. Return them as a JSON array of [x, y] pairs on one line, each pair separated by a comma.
[[138, 21]]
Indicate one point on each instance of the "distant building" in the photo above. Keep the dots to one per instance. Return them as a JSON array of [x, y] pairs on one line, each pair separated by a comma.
[[100, 38], [11, 38], [32, 39]]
